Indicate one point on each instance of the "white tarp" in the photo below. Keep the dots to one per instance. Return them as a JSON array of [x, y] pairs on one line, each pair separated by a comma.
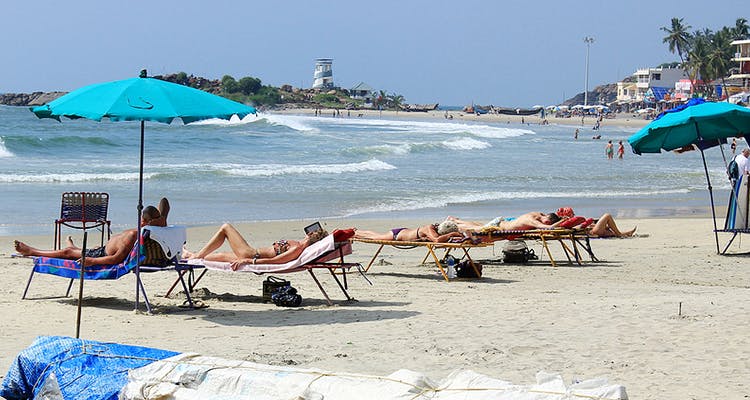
[[191, 376]]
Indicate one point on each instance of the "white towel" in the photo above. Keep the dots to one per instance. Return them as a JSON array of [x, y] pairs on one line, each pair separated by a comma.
[[171, 238], [309, 254]]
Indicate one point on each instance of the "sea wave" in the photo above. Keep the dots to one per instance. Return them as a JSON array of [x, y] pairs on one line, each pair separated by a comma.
[[466, 144], [418, 147], [4, 152], [233, 120], [75, 177], [275, 169], [277, 120], [441, 201], [422, 127]]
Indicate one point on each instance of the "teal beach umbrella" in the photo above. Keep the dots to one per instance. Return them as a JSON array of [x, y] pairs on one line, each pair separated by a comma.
[[701, 122], [141, 99], [701, 125]]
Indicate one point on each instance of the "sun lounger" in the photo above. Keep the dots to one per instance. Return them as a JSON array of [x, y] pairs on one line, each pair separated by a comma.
[[328, 253], [150, 253], [465, 246], [578, 241]]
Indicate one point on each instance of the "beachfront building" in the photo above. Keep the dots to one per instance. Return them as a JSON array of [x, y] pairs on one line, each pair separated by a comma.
[[739, 80], [323, 76], [362, 91], [647, 78], [682, 90], [644, 80], [626, 91]]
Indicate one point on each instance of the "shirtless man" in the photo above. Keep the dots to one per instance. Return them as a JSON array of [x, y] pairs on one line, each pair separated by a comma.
[[439, 233], [114, 251], [531, 220]]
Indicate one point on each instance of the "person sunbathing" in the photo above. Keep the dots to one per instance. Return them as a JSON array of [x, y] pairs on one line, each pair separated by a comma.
[[116, 249], [439, 233], [279, 252], [605, 227], [531, 220]]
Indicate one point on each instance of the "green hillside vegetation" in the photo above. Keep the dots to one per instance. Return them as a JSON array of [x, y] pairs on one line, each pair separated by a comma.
[[250, 90]]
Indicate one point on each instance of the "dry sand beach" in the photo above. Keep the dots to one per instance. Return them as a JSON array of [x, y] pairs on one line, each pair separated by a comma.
[[618, 318]]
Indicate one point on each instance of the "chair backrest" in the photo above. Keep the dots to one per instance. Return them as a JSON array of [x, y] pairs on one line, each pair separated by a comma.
[[84, 207]]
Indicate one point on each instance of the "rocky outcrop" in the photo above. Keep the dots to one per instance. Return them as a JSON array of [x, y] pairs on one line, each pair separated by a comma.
[[28, 99], [603, 94]]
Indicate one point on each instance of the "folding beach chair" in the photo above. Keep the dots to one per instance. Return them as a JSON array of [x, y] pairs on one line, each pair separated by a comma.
[[328, 253], [578, 241], [82, 210], [151, 256]]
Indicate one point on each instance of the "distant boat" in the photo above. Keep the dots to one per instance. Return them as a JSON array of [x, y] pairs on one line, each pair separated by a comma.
[[419, 107], [518, 111]]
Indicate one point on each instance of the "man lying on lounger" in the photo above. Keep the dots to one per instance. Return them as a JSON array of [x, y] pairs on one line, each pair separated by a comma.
[[439, 233], [116, 249], [279, 252], [532, 220]]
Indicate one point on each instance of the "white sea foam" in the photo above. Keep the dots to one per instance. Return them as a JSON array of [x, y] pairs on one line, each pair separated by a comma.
[[465, 144], [234, 120], [274, 169], [300, 124], [4, 152], [74, 177], [422, 127]]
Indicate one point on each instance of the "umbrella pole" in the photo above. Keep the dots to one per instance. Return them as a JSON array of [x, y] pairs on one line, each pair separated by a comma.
[[80, 287], [138, 232], [711, 195]]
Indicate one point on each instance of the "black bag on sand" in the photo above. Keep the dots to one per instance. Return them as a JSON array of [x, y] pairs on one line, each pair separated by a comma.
[[516, 252], [286, 296], [465, 270], [270, 284]]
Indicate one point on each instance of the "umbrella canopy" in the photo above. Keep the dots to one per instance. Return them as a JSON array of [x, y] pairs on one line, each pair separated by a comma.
[[697, 123], [706, 121], [141, 99]]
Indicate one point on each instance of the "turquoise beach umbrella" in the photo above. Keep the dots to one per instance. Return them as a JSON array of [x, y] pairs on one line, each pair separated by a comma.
[[141, 99], [704, 125], [701, 122]]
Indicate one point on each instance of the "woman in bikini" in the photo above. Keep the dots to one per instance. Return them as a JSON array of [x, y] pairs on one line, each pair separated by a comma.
[[439, 233], [280, 252]]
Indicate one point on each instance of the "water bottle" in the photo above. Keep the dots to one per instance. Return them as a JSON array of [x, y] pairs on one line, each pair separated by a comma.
[[451, 268]]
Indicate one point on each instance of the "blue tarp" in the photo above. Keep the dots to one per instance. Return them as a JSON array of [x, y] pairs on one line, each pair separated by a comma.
[[658, 92], [80, 369]]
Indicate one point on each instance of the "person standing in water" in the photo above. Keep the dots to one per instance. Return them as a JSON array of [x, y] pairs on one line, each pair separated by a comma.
[[620, 150], [609, 150]]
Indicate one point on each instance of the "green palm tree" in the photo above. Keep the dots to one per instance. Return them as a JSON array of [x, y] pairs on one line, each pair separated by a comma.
[[741, 30], [697, 58], [395, 101], [720, 54], [678, 38]]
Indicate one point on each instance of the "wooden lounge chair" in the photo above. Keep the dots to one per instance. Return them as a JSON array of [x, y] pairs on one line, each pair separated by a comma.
[[431, 247], [578, 241]]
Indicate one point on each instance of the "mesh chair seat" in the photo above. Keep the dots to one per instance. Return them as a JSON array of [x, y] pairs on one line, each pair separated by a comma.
[[82, 210]]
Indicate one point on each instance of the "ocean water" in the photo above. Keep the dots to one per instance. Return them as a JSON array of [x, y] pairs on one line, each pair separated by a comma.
[[287, 167]]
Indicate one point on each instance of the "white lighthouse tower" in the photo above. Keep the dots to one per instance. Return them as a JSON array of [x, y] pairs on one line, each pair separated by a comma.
[[323, 77]]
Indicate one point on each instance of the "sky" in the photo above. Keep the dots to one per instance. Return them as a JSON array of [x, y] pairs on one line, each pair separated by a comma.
[[505, 53]]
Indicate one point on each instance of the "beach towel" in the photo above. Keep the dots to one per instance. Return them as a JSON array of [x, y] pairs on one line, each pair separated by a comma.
[[309, 254], [72, 269], [170, 238]]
